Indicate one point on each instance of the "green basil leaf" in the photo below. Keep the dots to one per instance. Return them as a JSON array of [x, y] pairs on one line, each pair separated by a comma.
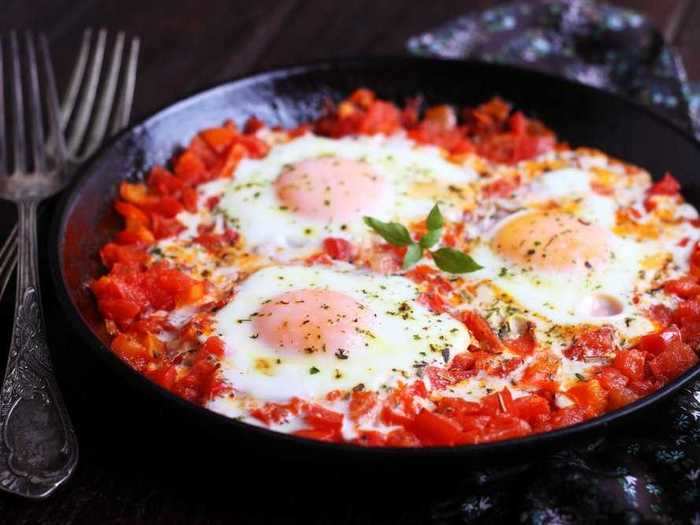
[[431, 238], [413, 255], [435, 220], [392, 232], [454, 261]]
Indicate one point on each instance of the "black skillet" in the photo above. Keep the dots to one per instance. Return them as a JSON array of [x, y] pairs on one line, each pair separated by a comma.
[[580, 115]]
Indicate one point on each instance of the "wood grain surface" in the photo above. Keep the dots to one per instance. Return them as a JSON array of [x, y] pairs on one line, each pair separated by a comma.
[[132, 468]]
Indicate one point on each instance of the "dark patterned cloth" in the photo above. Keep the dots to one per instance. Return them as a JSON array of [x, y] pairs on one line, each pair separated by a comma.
[[645, 473]]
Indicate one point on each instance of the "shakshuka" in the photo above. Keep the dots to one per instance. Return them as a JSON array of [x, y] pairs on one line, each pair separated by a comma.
[[403, 276]]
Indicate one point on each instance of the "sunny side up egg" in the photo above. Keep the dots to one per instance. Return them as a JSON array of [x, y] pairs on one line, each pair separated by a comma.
[[563, 261], [306, 331], [311, 188]]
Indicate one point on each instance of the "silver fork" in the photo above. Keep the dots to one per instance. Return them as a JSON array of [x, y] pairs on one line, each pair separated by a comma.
[[85, 129], [38, 447]]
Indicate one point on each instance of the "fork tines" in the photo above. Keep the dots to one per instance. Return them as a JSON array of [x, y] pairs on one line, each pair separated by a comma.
[[27, 86], [85, 116]]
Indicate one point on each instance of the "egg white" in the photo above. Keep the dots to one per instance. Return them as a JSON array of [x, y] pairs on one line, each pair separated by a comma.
[[403, 336], [251, 205]]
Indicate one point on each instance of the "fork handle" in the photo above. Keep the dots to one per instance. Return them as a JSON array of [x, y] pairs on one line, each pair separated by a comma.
[[38, 447]]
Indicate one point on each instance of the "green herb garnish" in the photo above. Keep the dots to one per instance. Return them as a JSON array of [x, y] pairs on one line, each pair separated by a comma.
[[313, 370], [447, 259]]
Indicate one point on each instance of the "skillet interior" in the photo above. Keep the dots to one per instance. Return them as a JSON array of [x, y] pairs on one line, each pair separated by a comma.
[[580, 115]]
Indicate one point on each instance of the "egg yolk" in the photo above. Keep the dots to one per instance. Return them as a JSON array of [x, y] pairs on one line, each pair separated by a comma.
[[329, 188], [553, 241], [311, 320]]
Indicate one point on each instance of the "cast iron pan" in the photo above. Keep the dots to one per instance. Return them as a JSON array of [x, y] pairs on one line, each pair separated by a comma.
[[579, 114]]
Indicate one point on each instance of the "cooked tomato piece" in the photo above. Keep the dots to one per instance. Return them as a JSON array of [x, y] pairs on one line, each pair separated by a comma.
[[190, 168], [525, 343], [593, 342], [659, 341], [278, 412], [685, 287], [338, 248], [323, 419], [532, 408], [541, 373], [631, 363], [503, 427], [112, 253], [612, 378], [482, 331], [589, 395], [361, 402], [667, 185], [435, 429], [672, 362], [163, 182], [219, 139], [121, 311], [370, 438], [565, 417], [402, 438], [165, 227], [318, 434], [498, 403]]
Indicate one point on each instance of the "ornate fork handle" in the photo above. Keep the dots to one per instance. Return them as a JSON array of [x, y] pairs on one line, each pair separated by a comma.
[[38, 447]]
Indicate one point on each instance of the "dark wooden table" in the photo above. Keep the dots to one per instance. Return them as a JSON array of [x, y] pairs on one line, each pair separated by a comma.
[[133, 469]]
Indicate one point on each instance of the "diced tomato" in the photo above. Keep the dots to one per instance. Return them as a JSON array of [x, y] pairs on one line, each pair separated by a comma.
[[505, 427], [219, 139], [338, 248], [532, 408], [667, 185], [593, 342], [695, 261], [589, 395], [612, 379], [620, 397], [672, 362], [565, 417], [252, 125], [278, 412], [112, 253], [323, 419], [685, 287], [501, 187], [121, 311], [433, 301], [402, 438], [659, 341], [165, 227], [631, 363], [322, 434], [133, 215], [481, 330], [189, 199], [541, 373], [661, 314], [370, 438], [525, 343], [435, 429], [361, 402], [497, 403], [163, 182], [190, 168]]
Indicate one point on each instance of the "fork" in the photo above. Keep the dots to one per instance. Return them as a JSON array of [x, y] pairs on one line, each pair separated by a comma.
[[38, 446], [82, 140]]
